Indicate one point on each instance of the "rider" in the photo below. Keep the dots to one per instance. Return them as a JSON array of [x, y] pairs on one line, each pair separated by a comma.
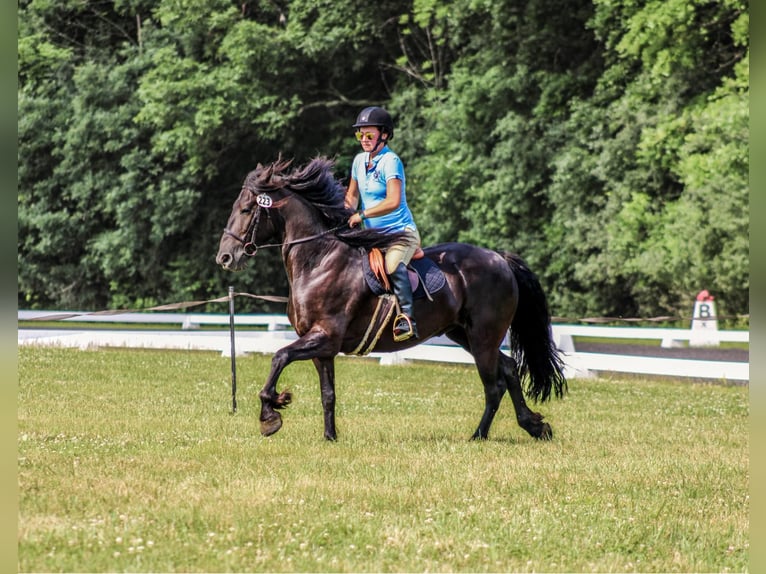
[[377, 189]]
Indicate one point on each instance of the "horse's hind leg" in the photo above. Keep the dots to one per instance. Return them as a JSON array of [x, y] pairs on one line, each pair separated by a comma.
[[529, 420], [486, 362], [494, 385]]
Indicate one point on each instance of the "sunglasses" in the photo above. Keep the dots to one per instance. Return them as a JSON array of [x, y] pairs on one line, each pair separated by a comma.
[[369, 136]]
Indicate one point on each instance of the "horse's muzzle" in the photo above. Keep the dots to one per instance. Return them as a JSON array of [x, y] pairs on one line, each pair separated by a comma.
[[227, 260]]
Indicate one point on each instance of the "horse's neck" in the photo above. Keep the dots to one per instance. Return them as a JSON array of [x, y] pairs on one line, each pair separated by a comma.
[[301, 222], [309, 242]]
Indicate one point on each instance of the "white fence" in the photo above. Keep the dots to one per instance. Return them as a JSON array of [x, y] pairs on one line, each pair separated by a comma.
[[279, 332], [668, 337]]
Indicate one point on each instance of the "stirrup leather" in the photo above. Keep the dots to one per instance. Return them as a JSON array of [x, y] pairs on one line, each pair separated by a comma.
[[403, 335]]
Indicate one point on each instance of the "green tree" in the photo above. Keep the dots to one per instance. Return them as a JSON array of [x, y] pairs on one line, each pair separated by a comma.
[[606, 141], [488, 131], [73, 116], [139, 121], [633, 229]]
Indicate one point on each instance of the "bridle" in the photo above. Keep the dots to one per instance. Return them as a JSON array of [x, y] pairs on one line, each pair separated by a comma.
[[264, 203], [249, 246]]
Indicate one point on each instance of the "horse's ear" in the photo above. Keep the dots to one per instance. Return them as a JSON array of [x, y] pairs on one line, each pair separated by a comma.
[[252, 177], [275, 174]]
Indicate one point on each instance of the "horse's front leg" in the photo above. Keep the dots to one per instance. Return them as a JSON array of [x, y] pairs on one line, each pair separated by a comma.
[[326, 370], [309, 346], [271, 420]]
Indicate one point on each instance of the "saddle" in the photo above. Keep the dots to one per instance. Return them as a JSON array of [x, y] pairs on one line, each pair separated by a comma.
[[425, 276]]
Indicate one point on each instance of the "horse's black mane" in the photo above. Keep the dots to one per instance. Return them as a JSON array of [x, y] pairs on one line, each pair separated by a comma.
[[316, 183]]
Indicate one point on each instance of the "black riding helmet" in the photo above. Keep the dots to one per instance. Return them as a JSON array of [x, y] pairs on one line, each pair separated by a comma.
[[378, 117]]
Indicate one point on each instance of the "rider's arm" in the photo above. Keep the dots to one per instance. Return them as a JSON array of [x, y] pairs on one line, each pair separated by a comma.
[[352, 194], [391, 202]]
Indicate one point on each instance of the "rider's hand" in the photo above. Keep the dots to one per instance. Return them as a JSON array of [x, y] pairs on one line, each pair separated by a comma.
[[356, 219]]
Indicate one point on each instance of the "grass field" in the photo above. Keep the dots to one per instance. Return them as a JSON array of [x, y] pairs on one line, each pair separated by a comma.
[[130, 461]]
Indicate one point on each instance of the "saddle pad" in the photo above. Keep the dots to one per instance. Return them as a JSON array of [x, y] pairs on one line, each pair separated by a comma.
[[422, 270], [431, 278]]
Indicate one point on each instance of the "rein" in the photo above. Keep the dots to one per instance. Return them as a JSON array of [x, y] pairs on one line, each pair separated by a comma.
[[251, 248]]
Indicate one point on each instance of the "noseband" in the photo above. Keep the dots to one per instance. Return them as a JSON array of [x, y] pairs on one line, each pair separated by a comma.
[[265, 203]]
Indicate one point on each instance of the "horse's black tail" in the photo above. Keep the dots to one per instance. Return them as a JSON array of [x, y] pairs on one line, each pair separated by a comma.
[[532, 345]]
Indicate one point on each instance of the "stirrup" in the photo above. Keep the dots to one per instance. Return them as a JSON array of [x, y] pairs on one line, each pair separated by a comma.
[[401, 335]]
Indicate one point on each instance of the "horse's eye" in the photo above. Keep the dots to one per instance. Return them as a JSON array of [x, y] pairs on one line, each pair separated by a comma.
[[246, 210]]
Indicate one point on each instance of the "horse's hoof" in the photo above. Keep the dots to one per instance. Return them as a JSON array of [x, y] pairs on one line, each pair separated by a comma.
[[546, 433], [271, 425], [478, 436]]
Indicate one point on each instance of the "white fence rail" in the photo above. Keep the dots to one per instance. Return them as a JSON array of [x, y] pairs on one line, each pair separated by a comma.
[[278, 333], [184, 320], [668, 337]]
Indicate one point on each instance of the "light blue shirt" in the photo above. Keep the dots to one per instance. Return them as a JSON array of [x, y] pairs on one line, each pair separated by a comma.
[[372, 189]]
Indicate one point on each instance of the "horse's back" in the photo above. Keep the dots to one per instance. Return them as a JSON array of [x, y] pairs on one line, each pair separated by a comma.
[[479, 277], [464, 257]]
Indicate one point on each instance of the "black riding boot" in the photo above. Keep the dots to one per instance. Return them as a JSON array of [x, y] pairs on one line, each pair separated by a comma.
[[404, 322]]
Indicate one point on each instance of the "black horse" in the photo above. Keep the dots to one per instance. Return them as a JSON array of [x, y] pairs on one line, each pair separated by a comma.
[[333, 308]]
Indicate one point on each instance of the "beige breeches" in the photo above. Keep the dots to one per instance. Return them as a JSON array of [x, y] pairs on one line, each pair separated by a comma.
[[402, 252]]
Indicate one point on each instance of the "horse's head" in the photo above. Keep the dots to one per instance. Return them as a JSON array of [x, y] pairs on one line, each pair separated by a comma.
[[254, 217]]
